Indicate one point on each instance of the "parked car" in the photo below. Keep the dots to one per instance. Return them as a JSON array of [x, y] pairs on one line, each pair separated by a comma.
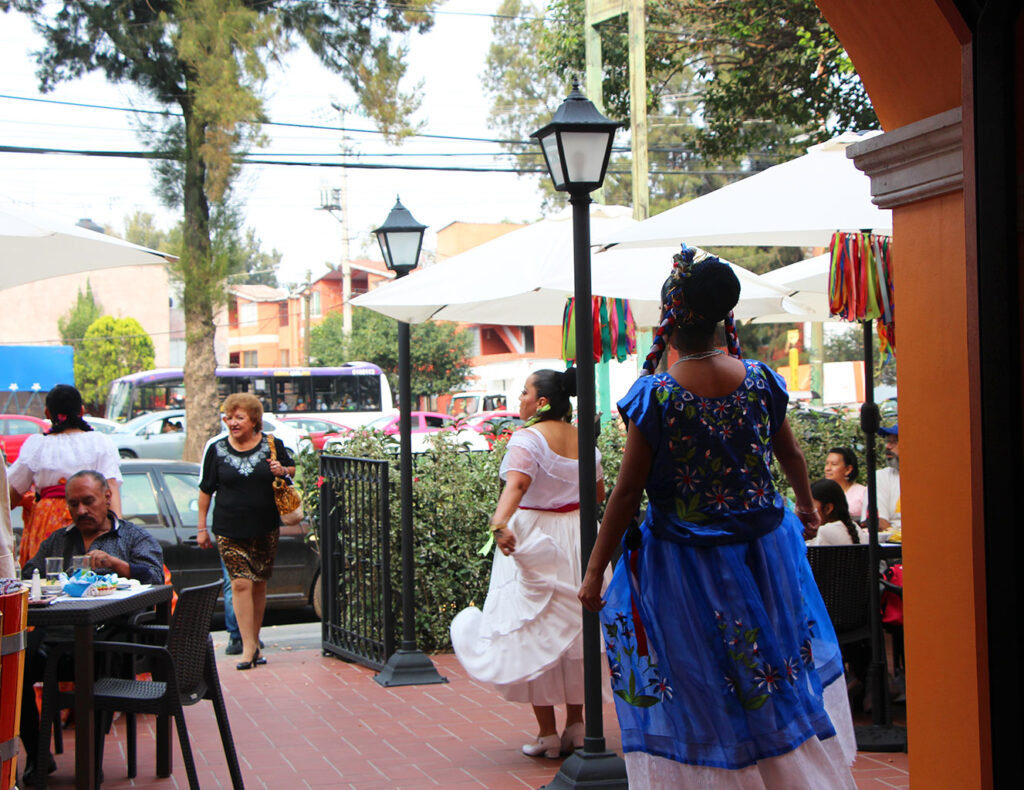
[[317, 429], [161, 434], [102, 424], [163, 496], [493, 425], [425, 423], [15, 429]]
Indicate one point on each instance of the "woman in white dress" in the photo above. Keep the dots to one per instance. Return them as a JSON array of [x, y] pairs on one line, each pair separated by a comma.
[[47, 460], [527, 641]]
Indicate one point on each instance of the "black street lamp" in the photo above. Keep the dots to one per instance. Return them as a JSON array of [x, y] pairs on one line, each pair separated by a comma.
[[400, 239], [577, 145]]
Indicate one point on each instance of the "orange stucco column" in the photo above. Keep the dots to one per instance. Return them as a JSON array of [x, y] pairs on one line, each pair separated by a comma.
[[943, 555], [910, 60]]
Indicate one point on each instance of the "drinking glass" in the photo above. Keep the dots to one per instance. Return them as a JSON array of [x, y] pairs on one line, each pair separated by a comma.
[[54, 566], [80, 562]]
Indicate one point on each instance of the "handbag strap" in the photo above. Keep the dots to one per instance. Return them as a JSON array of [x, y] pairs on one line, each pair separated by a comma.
[[273, 446]]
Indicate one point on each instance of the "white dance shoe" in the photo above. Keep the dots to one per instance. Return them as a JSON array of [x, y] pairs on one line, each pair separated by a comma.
[[546, 745]]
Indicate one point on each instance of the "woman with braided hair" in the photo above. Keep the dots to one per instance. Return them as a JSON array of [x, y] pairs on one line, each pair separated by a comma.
[[528, 640], [725, 666], [47, 460]]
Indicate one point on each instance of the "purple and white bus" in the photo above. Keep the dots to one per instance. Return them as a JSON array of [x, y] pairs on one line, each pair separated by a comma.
[[352, 394]]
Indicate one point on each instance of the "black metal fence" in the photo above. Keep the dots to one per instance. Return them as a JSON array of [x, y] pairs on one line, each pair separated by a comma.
[[355, 560]]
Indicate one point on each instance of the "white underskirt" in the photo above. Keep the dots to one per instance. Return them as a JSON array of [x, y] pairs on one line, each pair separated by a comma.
[[814, 765]]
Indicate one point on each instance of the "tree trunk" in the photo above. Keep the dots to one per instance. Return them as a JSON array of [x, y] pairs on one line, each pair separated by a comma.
[[199, 296]]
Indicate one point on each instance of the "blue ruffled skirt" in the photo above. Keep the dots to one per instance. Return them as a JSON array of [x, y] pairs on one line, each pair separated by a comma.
[[719, 655]]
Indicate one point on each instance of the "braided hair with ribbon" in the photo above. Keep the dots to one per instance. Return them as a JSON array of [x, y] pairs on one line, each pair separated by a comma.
[[64, 409], [700, 291]]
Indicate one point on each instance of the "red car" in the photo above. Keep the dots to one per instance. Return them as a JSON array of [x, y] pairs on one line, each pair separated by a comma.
[[496, 424], [317, 429], [15, 429]]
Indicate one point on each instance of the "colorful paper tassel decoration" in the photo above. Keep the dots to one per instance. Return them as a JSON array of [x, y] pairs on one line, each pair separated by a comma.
[[860, 282], [614, 329]]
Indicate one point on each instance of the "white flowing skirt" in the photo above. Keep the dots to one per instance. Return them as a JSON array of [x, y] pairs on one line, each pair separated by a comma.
[[528, 639]]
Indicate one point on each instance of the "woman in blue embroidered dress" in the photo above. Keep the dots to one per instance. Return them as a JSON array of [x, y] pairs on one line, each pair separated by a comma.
[[726, 670]]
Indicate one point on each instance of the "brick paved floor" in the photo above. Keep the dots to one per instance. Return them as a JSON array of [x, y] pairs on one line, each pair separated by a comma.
[[307, 721]]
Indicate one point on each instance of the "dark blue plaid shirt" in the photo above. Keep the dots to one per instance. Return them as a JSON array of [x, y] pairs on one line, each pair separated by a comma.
[[124, 540]]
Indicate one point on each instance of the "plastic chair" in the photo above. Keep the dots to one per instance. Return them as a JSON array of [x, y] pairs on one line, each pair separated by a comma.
[[843, 577], [184, 672]]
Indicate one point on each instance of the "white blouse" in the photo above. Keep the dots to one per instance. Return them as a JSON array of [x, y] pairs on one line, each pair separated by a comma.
[[835, 533], [554, 479], [45, 459]]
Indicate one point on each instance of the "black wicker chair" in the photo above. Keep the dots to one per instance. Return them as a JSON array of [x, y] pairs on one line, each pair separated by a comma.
[[843, 577], [184, 672]]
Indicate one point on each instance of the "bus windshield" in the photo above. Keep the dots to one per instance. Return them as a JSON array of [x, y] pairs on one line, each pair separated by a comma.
[[351, 394]]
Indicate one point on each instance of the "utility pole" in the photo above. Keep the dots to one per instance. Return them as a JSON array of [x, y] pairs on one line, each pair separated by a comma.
[[596, 12], [346, 268]]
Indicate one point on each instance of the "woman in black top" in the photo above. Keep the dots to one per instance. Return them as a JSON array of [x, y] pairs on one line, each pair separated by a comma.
[[239, 469]]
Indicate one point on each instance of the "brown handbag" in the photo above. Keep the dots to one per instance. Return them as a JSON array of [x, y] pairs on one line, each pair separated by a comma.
[[287, 499]]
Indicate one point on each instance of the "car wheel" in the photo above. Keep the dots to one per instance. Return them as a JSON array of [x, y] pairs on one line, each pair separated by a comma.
[[127, 453], [318, 597]]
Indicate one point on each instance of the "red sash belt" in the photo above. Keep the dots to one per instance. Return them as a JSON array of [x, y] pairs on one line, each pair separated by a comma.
[[51, 492], [563, 509]]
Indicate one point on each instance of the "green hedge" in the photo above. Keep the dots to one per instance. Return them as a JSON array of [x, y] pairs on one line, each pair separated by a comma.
[[455, 493]]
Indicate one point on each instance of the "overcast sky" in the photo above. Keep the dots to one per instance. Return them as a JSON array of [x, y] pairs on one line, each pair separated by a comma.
[[280, 202]]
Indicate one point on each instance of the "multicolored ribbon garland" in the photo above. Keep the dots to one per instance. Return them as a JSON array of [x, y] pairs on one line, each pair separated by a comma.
[[860, 283], [614, 329]]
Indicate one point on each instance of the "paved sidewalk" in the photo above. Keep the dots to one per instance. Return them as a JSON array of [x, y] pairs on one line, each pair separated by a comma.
[[308, 721]]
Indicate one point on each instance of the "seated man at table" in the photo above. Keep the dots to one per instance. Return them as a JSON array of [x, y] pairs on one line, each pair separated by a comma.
[[887, 484], [112, 545]]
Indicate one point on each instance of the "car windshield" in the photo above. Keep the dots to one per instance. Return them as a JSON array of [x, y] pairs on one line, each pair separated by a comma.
[[381, 422], [144, 419]]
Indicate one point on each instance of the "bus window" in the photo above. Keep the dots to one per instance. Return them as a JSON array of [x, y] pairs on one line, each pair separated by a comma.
[[368, 398], [119, 401], [157, 396], [324, 394], [293, 393]]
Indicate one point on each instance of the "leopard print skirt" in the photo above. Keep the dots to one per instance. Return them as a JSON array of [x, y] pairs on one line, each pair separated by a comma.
[[249, 558]]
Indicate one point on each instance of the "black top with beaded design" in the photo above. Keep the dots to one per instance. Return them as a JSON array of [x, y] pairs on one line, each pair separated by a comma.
[[243, 483]]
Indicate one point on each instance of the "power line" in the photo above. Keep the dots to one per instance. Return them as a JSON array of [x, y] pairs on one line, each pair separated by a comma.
[[286, 124], [156, 155]]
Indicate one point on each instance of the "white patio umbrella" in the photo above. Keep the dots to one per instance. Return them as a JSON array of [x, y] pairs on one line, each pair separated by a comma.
[[524, 277], [638, 274], [806, 283], [34, 247], [503, 281], [799, 203]]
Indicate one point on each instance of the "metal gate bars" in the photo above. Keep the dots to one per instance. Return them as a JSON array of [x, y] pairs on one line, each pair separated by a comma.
[[355, 560]]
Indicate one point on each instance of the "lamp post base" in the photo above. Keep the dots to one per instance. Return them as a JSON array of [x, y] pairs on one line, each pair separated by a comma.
[[881, 738], [409, 668], [583, 769]]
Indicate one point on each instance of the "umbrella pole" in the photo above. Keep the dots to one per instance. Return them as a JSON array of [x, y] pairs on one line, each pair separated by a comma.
[[881, 735]]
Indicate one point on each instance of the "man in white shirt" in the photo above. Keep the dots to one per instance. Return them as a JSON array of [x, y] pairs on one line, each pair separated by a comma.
[[888, 483]]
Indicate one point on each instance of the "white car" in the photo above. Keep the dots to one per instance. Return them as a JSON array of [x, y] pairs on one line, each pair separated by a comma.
[[102, 424], [161, 434]]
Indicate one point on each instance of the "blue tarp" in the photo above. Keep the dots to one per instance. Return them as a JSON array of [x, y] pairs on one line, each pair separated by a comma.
[[38, 368]]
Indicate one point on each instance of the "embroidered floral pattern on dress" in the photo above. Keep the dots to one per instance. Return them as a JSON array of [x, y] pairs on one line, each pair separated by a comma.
[[243, 464], [753, 679], [633, 668], [712, 475]]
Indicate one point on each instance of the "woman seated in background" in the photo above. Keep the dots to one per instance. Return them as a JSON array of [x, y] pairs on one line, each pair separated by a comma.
[[837, 528], [841, 466]]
